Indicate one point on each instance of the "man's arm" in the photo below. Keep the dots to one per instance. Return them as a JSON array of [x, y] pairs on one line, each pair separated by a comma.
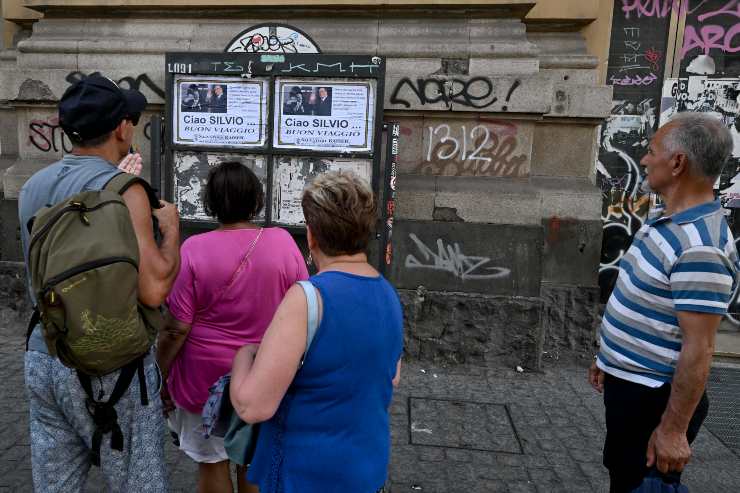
[[158, 266], [169, 343], [668, 448]]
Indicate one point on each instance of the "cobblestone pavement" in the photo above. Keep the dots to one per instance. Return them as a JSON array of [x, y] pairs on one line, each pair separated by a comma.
[[466, 429]]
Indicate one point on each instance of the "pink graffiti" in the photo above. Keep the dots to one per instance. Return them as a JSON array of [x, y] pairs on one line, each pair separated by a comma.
[[634, 80], [710, 37], [731, 8], [651, 8]]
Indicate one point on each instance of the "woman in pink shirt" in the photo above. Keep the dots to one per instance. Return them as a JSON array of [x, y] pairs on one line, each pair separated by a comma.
[[230, 283]]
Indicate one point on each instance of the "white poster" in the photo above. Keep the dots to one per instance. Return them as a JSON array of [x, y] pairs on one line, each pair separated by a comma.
[[225, 112], [331, 116], [190, 176], [719, 97], [292, 174]]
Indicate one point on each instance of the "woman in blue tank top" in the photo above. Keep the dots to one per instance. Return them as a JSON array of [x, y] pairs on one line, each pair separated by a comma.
[[326, 423]]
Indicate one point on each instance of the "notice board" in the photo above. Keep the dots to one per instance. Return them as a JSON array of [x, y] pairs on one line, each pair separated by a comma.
[[288, 117]]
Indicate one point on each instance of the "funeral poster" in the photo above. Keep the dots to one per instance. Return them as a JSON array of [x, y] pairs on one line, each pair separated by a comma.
[[221, 112], [324, 116]]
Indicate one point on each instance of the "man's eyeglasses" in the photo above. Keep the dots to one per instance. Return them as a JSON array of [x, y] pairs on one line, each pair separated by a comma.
[[134, 119]]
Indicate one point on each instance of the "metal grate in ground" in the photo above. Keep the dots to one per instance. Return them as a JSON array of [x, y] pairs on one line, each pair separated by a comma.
[[723, 389], [462, 425]]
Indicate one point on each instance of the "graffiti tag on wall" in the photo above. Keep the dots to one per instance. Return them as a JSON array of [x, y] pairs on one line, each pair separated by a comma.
[[475, 93], [485, 147], [450, 258]]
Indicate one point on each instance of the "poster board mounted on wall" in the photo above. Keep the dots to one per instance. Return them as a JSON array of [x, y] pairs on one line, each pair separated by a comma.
[[288, 117]]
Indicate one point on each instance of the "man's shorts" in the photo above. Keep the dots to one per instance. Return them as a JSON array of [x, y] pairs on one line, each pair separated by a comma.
[[62, 430]]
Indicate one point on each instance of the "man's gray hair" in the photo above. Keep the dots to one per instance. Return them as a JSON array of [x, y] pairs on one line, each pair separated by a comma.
[[703, 138]]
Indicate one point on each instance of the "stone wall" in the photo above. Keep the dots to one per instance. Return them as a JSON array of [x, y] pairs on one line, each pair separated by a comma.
[[495, 187]]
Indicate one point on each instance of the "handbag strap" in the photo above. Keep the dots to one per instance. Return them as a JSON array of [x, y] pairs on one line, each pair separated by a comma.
[[238, 270], [312, 299]]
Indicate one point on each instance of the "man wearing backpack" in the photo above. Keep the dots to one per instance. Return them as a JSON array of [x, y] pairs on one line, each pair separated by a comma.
[[87, 406]]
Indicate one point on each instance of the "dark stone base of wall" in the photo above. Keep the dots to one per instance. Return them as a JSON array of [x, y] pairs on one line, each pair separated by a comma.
[[570, 321], [14, 303], [456, 328]]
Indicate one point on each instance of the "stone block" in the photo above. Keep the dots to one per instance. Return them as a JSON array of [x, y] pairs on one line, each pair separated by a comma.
[[570, 320], [569, 197], [356, 36], [454, 328], [564, 149], [421, 37], [10, 233], [504, 66], [472, 147], [13, 293], [412, 67], [16, 175], [572, 251], [410, 143], [415, 199], [12, 80], [45, 60], [8, 135], [582, 101], [42, 139], [471, 258], [490, 200], [570, 75]]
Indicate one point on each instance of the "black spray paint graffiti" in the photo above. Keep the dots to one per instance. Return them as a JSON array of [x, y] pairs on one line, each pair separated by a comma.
[[476, 92], [48, 135], [307, 68], [267, 44], [125, 82]]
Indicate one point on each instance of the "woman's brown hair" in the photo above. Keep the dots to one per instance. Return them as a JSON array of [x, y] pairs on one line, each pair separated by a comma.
[[340, 209]]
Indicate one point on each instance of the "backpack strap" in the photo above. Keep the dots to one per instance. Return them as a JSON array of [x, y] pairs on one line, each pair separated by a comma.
[[35, 319], [104, 414], [123, 181], [312, 299]]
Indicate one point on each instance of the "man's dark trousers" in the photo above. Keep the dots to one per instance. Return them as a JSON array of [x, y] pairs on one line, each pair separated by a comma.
[[633, 411]]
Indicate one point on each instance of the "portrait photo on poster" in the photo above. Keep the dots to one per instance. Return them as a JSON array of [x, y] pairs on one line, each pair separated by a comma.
[[220, 112], [336, 116], [204, 98], [292, 174], [190, 175]]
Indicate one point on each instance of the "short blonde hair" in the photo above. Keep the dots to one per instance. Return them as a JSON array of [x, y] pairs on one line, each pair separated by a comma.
[[340, 209]]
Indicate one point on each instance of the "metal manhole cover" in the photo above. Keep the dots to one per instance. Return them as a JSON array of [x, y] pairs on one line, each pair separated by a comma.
[[723, 389], [462, 424]]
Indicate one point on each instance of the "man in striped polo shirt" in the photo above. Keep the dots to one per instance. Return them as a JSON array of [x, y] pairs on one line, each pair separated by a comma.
[[675, 283]]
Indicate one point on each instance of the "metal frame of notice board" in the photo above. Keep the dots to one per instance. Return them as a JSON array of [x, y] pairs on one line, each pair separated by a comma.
[[242, 76]]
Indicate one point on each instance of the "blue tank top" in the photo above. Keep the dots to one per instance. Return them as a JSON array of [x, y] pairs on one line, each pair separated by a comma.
[[73, 174], [331, 432]]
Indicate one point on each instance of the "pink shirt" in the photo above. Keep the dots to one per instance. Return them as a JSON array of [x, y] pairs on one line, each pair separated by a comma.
[[223, 324]]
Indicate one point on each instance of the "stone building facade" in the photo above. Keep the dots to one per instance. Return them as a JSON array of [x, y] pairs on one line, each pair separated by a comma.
[[497, 229]]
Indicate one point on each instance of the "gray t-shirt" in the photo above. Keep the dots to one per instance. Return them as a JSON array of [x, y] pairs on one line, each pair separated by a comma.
[[53, 184]]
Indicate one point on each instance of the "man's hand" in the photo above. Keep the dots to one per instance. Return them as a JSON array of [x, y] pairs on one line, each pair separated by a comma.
[[167, 216], [596, 377], [131, 164], [668, 451]]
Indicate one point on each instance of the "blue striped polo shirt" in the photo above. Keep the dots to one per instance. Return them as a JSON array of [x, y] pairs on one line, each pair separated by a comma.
[[682, 262]]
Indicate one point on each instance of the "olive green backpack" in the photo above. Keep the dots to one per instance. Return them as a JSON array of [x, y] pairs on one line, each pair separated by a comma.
[[83, 259]]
